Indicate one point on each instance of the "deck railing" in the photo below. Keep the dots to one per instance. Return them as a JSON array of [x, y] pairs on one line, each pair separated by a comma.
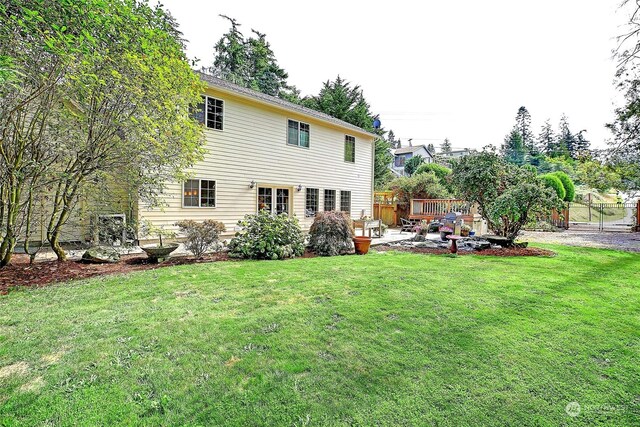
[[440, 207]]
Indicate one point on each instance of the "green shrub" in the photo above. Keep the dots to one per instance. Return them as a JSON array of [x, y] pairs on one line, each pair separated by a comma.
[[569, 187], [552, 181], [412, 164], [331, 233], [419, 186], [267, 236], [201, 236], [440, 171]]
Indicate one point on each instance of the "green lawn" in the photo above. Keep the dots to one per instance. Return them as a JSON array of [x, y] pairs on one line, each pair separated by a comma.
[[385, 339]]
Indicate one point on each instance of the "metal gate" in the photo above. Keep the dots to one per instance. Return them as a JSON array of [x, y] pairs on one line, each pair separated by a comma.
[[603, 216]]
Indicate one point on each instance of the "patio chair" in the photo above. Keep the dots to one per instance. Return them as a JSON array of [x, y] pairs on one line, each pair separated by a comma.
[[407, 225], [449, 219]]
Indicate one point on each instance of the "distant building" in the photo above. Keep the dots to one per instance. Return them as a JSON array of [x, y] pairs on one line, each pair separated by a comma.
[[402, 154], [455, 154]]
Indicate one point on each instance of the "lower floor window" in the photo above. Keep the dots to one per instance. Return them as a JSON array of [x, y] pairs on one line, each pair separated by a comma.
[[312, 202], [329, 200], [199, 193], [273, 200], [282, 201], [345, 201], [265, 199]]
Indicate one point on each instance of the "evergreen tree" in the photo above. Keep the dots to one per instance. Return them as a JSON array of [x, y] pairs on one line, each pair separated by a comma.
[[382, 159], [391, 138], [582, 145], [413, 164], [264, 73], [431, 149], [231, 58], [445, 148], [513, 149], [342, 101], [251, 63], [547, 140], [523, 125], [567, 141]]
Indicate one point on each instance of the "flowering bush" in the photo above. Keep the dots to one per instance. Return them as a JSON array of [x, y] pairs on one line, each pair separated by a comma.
[[267, 236], [446, 229], [331, 233]]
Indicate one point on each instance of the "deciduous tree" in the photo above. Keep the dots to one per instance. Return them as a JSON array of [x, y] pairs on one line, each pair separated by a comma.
[[507, 195]]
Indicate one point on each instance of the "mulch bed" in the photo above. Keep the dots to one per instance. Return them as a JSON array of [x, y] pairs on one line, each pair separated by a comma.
[[506, 252], [21, 274]]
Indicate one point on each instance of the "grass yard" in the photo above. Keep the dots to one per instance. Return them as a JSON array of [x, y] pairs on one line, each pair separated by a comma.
[[386, 339]]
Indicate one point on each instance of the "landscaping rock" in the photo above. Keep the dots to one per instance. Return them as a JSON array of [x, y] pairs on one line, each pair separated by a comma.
[[499, 240], [479, 245], [427, 244], [101, 255], [419, 238]]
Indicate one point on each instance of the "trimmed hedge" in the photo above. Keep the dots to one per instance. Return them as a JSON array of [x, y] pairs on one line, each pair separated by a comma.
[[567, 183], [552, 181]]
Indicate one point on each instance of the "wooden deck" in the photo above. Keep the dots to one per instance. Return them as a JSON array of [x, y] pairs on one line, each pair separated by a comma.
[[430, 209]]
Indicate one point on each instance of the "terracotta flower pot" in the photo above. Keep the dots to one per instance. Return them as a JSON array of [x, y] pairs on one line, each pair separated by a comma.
[[361, 244]]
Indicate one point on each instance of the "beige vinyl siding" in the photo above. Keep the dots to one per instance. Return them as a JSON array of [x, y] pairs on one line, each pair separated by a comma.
[[253, 147]]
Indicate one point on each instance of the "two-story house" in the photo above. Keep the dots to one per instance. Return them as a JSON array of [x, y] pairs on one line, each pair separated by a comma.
[[264, 153], [402, 154]]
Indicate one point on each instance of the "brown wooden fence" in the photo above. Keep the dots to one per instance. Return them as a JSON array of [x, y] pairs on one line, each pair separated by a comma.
[[385, 207]]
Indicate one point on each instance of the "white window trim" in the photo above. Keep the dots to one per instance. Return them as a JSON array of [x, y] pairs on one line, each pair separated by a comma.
[[344, 146], [350, 201], [224, 112], [317, 200], [215, 194], [286, 141], [336, 194], [273, 197]]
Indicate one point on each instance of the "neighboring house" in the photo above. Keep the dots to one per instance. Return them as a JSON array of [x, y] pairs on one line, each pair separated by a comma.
[[402, 154], [267, 153], [455, 154]]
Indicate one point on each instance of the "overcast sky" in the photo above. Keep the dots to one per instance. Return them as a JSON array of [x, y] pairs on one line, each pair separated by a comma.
[[436, 69]]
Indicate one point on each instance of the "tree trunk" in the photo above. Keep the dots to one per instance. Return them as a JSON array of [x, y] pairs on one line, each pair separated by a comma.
[[54, 240], [13, 209]]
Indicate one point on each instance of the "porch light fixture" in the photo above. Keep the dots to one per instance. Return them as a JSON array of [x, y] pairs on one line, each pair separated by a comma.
[[299, 187], [252, 184]]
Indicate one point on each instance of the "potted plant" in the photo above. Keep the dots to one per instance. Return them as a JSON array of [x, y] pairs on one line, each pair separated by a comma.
[[465, 230], [158, 252], [444, 232]]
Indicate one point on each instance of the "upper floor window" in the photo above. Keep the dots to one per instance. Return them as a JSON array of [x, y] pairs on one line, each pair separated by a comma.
[[349, 149], [199, 193], [399, 160], [298, 134], [210, 112]]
